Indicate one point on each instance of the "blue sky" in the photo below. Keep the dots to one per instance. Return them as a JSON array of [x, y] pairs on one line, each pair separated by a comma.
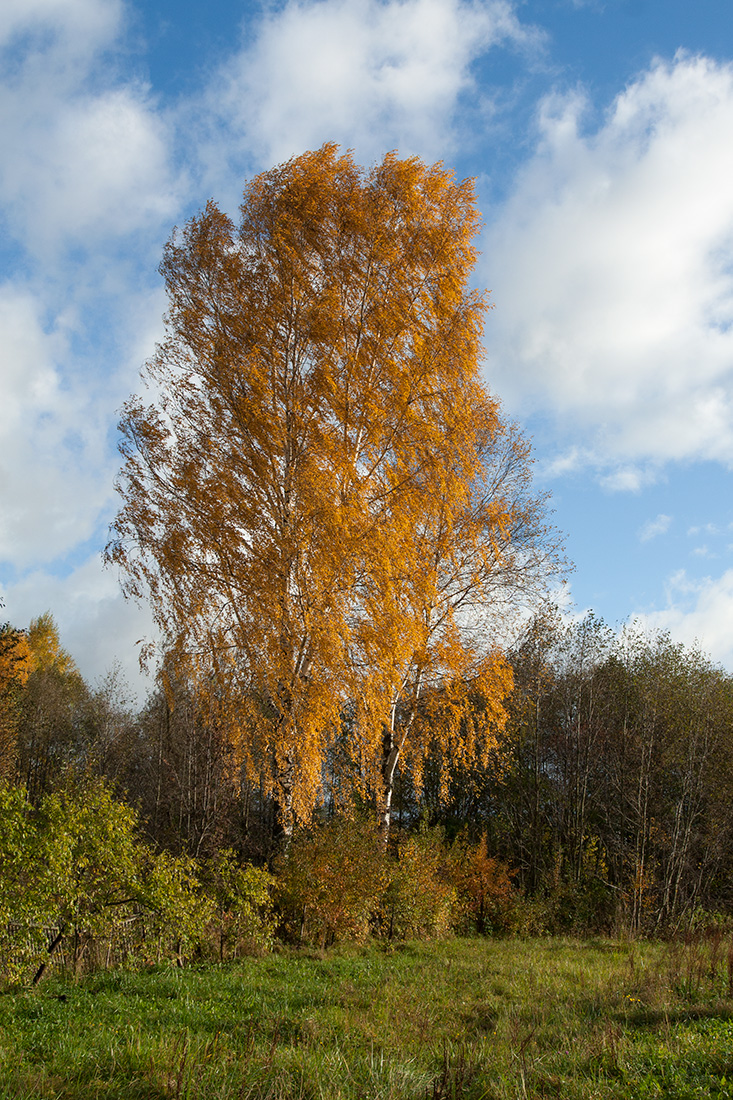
[[601, 138]]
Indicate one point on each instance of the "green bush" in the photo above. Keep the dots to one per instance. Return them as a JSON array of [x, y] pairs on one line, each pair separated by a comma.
[[24, 904], [420, 900], [78, 886], [95, 863], [243, 923], [176, 912], [71, 875]]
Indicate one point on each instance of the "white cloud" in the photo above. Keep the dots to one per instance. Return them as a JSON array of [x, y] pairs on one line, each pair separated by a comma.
[[705, 528], [654, 527], [370, 74], [56, 416], [85, 159], [87, 192], [625, 478], [612, 271], [96, 624], [567, 462], [50, 447], [698, 611], [97, 169], [80, 24]]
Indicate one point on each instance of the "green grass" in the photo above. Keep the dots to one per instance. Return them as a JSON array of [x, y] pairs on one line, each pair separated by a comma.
[[463, 1018]]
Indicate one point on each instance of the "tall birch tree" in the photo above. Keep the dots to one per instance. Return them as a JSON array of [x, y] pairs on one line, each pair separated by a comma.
[[320, 491]]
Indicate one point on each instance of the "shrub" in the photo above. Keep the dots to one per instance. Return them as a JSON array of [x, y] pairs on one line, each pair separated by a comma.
[[486, 895], [331, 881], [420, 900], [23, 902], [177, 912], [78, 884], [95, 862], [243, 921]]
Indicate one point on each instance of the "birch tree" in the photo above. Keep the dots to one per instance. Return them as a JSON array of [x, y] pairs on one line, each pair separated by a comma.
[[320, 487]]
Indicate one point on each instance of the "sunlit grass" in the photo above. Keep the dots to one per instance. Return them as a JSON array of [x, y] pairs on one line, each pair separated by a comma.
[[463, 1018]]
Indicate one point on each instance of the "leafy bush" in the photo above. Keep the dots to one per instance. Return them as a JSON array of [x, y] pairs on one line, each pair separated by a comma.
[[243, 922], [24, 908], [176, 911], [486, 895], [78, 884], [420, 900], [95, 862], [331, 881], [71, 874]]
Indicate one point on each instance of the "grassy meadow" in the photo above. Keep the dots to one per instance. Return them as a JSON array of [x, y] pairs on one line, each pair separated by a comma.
[[470, 1018]]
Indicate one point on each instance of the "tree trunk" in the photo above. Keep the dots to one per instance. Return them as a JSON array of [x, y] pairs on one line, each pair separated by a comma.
[[51, 948], [390, 757]]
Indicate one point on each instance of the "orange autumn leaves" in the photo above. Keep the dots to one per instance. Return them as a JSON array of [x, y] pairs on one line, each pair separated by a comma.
[[322, 500], [16, 665], [22, 653]]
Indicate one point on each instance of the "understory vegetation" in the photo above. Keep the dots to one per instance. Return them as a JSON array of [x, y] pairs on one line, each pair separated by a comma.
[[81, 891]]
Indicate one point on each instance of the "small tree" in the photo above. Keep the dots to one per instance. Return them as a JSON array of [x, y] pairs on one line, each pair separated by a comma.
[[485, 890], [421, 901], [24, 902], [16, 664], [177, 912], [53, 728], [95, 863]]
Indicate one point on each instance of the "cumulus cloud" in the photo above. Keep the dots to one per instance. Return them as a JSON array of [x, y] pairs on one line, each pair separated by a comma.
[[87, 191], [85, 159], [95, 168], [56, 417], [80, 25], [698, 611], [371, 74], [49, 449], [704, 529], [623, 478], [612, 272]]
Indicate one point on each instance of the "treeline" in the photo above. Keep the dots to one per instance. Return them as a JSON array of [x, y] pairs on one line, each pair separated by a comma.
[[137, 835], [611, 798]]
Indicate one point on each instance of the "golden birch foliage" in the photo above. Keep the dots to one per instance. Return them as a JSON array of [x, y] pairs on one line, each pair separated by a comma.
[[320, 481], [16, 663], [16, 659], [432, 672]]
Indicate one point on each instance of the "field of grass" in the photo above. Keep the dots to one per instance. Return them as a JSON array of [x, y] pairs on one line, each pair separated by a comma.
[[465, 1018]]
